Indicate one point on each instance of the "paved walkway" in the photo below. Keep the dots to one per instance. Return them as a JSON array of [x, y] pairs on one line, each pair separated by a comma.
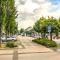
[[6, 52], [40, 56], [26, 46], [29, 46], [27, 50]]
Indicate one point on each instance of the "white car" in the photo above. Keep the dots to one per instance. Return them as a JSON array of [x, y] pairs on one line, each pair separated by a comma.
[[9, 38]]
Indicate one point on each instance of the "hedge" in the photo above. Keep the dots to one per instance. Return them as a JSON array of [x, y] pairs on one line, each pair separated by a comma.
[[46, 42]]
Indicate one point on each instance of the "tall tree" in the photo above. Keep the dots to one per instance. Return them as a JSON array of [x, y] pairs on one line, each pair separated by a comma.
[[10, 13], [41, 26], [1, 18]]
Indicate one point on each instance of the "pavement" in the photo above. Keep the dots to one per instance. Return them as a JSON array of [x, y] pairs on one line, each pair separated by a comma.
[[32, 56], [57, 41], [31, 47], [6, 52], [27, 50], [26, 46], [40, 56]]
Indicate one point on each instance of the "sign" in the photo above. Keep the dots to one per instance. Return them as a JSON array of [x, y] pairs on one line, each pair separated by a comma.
[[49, 28]]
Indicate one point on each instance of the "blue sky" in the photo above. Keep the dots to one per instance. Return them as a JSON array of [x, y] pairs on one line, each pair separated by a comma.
[[29, 11], [55, 1]]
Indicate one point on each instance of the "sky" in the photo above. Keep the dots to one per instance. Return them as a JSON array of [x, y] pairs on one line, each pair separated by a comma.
[[29, 11]]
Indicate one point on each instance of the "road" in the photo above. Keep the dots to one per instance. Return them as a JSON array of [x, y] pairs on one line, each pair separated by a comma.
[[40, 56], [30, 51], [33, 56], [6, 57], [57, 41], [28, 44], [26, 41]]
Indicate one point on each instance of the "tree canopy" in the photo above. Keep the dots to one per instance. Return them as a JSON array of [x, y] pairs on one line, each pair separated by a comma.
[[7, 17], [41, 26]]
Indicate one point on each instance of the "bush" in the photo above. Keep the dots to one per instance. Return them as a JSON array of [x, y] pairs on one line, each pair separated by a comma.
[[11, 44], [46, 42]]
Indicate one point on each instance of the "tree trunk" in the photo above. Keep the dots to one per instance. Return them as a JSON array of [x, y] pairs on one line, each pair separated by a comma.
[[6, 36], [50, 35], [0, 37], [44, 34], [57, 34]]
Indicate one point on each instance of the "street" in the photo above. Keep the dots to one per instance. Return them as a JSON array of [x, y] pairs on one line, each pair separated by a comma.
[[28, 50], [33, 56], [40, 56], [28, 46], [6, 57]]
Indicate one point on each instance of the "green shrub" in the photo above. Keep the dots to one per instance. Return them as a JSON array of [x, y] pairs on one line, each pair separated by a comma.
[[52, 44], [46, 42], [11, 44]]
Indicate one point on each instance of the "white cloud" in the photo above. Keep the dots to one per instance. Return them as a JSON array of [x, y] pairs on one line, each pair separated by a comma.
[[26, 23], [29, 6], [39, 1], [31, 10]]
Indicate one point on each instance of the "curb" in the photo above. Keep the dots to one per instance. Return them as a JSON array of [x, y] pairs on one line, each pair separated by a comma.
[[10, 48], [34, 52], [26, 53]]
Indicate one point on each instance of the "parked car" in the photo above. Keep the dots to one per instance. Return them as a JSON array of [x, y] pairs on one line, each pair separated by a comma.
[[12, 38]]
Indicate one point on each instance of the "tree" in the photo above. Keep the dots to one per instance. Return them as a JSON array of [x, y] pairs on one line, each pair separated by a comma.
[[7, 18], [41, 26], [1, 18], [54, 26], [10, 16], [21, 30]]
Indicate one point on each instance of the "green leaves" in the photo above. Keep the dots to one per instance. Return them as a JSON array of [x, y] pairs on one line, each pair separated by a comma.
[[8, 16], [42, 24]]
